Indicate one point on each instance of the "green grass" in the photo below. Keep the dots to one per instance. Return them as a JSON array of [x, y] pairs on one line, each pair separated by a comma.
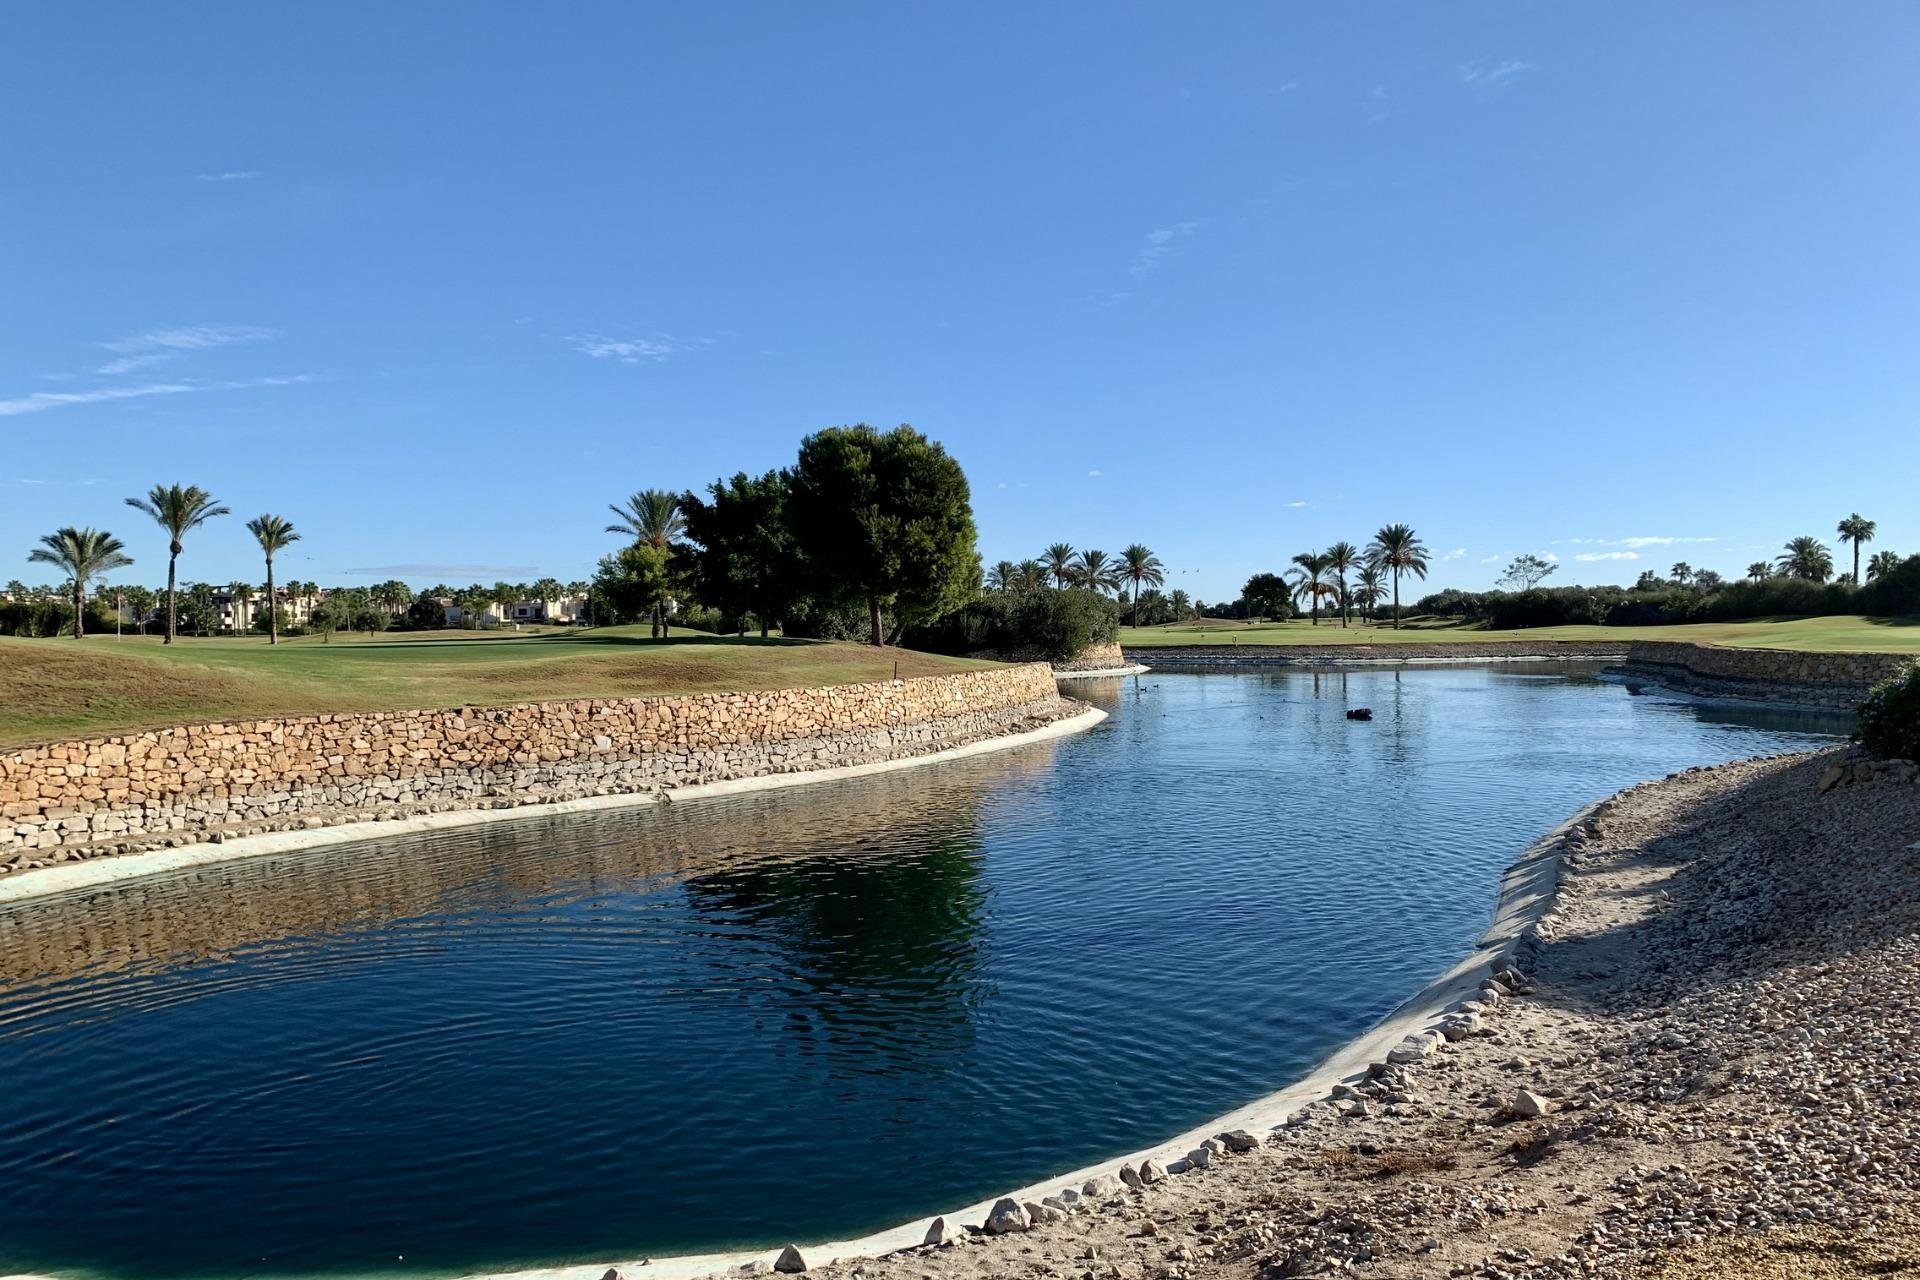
[[1849, 633], [52, 689]]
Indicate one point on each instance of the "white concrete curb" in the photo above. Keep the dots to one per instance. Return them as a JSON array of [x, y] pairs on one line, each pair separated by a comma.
[[1131, 669], [69, 876]]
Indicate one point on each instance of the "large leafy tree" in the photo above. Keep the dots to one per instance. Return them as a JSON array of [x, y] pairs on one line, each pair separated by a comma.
[[1267, 596], [1857, 529], [80, 554], [884, 519], [1807, 558], [274, 534], [1397, 550], [1139, 568], [743, 560], [179, 509], [1312, 579]]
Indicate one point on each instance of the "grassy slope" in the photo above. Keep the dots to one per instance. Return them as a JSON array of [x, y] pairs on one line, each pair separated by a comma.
[[52, 689], [1850, 633]]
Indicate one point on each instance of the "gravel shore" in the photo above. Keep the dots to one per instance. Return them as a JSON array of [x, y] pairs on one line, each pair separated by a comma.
[[1707, 1064]]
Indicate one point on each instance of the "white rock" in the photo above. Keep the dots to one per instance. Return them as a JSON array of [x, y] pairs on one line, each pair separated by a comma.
[[1105, 1187], [1042, 1214], [1199, 1158], [1527, 1104], [1008, 1215], [1152, 1171], [940, 1232]]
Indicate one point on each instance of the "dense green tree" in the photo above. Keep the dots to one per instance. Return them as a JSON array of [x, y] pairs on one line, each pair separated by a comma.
[[274, 534], [1342, 557], [1267, 595], [1882, 564], [179, 509], [1806, 558], [1857, 530], [632, 583], [199, 608], [885, 520], [80, 554], [1397, 550], [653, 518], [743, 560]]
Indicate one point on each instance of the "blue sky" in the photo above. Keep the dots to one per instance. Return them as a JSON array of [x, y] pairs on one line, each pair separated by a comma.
[[439, 281]]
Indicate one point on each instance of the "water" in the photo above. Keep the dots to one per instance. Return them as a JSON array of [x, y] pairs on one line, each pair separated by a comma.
[[805, 1014]]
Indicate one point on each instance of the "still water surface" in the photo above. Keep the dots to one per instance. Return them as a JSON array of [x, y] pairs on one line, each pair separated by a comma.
[[803, 1014]]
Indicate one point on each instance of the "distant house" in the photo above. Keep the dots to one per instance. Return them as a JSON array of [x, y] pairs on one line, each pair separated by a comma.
[[457, 617], [564, 610]]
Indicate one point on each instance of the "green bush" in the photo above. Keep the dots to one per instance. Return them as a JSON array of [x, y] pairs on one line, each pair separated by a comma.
[[1890, 717], [1054, 625]]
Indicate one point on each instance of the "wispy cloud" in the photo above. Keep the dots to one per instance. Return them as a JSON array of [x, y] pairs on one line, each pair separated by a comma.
[[1489, 74], [230, 175], [1157, 245], [447, 570], [652, 349], [41, 401], [1645, 540], [1592, 557], [1455, 554], [1297, 503], [91, 480], [192, 338], [128, 364], [1489, 559], [1096, 473]]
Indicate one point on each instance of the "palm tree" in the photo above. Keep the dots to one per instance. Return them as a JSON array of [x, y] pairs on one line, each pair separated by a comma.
[[1368, 588], [1682, 573], [1759, 571], [1857, 529], [1806, 558], [1313, 579], [242, 593], [1000, 577], [546, 591], [1397, 550], [273, 533], [80, 554], [652, 517], [1341, 558], [1094, 570], [1882, 564], [1141, 567], [1029, 575], [1058, 559], [178, 509]]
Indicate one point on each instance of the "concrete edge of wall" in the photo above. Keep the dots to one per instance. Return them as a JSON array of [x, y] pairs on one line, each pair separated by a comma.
[[71, 876]]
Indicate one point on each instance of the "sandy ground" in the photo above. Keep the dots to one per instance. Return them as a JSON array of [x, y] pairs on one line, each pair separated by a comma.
[[1718, 1026]]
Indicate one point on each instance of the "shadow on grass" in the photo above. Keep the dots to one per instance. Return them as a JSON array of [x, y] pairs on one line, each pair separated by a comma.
[[584, 639]]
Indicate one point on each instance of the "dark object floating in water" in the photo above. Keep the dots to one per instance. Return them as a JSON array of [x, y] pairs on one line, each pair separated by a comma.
[[1360, 713]]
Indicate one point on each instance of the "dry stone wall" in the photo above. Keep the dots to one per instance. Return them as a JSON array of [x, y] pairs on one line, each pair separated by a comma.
[[209, 781], [1775, 675]]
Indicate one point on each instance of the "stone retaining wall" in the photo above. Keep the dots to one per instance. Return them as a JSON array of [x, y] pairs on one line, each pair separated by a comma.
[[196, 782], [1774, 675], [1100, 656], [1295, 655]]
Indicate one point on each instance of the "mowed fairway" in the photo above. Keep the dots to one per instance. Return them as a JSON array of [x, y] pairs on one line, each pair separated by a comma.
[[52, 689], [1848, 633]]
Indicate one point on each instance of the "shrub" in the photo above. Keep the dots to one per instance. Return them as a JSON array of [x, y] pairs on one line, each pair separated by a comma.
[[1048, 624], [1894, 594], [1890, 717]]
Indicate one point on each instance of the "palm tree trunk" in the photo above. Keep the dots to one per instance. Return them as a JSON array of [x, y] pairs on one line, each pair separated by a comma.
[[1856, 562], [173, 559], [273, 614], [79, 609], [1396, 597]]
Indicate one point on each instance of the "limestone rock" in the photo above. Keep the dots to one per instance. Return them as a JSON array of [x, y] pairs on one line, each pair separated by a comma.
[[1008, 1215], [1239, 1140], [1103, 1188], [940, 1232], [1152, 1171], [1528, 1105]]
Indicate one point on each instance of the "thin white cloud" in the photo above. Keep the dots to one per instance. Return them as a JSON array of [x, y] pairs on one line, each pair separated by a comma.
[[77, 483], [1591, 557], [1485, 74], [128, 364], [1659, 540], [192, 338], [1157, 245], [41, 401], [1490, 560], [1096, 473], [653, 349], [230, 175], [1298, 502], [1455, 554]]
